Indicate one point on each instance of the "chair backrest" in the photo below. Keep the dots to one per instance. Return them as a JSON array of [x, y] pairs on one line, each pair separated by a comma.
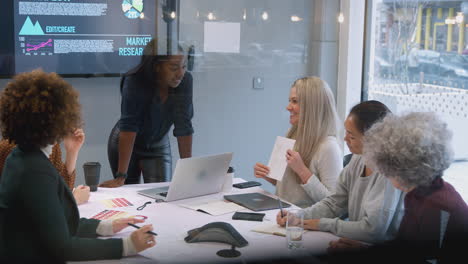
[[346, 159], [2, 233], [444, 218]]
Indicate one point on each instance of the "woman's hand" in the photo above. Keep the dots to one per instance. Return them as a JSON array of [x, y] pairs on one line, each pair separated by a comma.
[[295, 162], [81, 194], [282, 218], [142, 240], [114, 183], [121, 223], [74, 141], [312, 224], [261, 171], [72, 144], [345, 244]]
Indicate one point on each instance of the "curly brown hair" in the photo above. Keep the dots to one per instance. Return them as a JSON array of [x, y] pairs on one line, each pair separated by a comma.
[[38, 109]]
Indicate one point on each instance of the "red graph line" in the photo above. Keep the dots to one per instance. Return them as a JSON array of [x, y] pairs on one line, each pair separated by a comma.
[[43, 44]]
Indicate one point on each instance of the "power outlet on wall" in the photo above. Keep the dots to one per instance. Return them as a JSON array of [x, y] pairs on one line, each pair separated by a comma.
[[258, 83]]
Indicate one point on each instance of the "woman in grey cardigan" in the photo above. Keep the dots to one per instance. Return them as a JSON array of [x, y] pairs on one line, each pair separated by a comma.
[[372, 204]]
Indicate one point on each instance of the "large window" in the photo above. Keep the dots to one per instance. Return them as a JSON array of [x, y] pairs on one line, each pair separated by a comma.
[[417, 60]]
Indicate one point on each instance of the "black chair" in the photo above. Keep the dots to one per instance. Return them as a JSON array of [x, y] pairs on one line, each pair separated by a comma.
[[346, 159], [2, 235]]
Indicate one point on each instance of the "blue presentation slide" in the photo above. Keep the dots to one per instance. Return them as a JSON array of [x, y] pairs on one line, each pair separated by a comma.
[[82, 36]]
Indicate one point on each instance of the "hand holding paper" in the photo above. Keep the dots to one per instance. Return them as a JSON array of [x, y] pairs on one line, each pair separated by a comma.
[[278, 161]]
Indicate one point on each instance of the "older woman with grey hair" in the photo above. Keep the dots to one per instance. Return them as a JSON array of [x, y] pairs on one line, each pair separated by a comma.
[[413, 151]]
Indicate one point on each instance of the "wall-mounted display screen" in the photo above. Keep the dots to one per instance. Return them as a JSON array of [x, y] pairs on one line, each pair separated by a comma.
[[80, 37]]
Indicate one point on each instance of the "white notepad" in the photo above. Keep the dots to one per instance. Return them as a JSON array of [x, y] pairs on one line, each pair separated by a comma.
[[214, 207], [271, 228]]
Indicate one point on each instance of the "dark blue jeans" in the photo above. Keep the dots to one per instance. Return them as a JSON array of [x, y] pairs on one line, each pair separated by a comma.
[[155, 162]]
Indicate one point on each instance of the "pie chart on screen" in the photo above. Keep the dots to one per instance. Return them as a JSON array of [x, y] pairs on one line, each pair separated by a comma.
[[133, 8]]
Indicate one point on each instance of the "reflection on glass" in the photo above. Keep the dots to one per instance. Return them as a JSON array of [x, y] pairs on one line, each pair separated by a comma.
[[418, 61], [156, 95]]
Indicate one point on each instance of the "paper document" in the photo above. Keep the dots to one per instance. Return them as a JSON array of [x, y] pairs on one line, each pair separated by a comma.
[[278, 161], [214, 207], [221, 37]]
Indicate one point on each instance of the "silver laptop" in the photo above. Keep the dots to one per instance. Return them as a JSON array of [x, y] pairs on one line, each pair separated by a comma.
[[193, 177]]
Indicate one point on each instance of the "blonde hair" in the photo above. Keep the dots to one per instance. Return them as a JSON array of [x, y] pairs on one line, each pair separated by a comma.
[[317, 116]]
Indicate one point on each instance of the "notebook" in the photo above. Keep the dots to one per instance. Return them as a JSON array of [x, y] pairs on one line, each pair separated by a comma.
[[272, 229], [256, 201], [193, 177]]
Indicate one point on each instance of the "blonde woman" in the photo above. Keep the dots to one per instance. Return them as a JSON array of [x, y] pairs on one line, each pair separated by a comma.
[[316, 160]]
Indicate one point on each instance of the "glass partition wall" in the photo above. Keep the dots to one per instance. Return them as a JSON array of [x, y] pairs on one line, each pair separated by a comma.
[[245, 55], [417, 60]]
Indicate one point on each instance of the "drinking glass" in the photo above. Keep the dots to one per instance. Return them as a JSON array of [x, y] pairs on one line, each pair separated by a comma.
[[294, 228]]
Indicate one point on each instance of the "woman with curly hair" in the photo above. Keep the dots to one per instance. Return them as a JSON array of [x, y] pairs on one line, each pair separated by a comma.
[[316, 160], [371, 203], [413, 151], [39, 216], [72, 143]]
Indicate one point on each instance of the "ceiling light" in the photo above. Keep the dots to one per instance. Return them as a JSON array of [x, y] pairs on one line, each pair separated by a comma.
[[211, 16], [295, 19], [340, 18]]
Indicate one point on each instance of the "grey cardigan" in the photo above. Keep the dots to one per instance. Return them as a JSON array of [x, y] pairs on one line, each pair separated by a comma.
[[374, 206]]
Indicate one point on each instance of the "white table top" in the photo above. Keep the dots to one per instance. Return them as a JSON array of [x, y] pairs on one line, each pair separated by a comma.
[[172, 222]]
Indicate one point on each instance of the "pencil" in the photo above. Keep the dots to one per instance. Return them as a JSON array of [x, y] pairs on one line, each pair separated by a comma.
[[280, 207], [137, 227]]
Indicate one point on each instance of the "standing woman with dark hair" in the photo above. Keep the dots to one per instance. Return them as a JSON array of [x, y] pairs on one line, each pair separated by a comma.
[[39, 216], [373, 205], [155, 95]]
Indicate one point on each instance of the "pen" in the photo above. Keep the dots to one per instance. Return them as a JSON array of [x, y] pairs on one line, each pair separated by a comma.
[[279, 234], [280, 207], [137, 227]]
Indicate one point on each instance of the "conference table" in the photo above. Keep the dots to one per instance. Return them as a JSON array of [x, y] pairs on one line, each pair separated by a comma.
[[171, 222]]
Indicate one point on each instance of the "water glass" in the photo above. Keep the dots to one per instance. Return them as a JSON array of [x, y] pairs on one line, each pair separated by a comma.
[[294, 228]]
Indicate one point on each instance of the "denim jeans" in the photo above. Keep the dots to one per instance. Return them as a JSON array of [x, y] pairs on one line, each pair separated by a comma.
[[154, 162]]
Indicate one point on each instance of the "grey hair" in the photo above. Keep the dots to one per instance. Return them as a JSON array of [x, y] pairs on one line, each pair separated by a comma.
[[414, 148]]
